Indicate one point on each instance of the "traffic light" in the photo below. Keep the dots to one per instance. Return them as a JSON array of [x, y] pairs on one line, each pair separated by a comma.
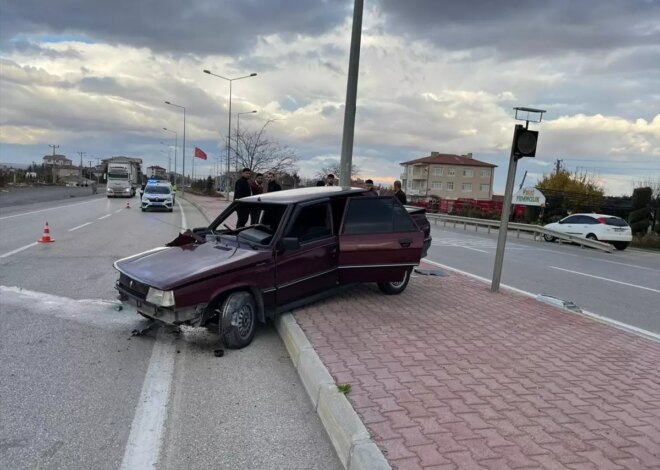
[[524, 143]]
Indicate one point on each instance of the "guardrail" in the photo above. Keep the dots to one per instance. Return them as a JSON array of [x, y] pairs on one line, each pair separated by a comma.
[[535, 230]]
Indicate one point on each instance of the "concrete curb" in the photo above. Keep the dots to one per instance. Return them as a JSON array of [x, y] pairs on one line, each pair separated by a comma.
[[198, 207], [349, 436]]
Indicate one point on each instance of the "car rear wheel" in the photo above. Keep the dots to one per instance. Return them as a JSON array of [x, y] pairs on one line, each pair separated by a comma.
[[591, 236], [620, 245], [549, 238], [395, 287], [237, 319]]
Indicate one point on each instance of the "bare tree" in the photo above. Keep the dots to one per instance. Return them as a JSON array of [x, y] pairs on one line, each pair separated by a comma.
[[335, 169], [255, 150], [652, 182]]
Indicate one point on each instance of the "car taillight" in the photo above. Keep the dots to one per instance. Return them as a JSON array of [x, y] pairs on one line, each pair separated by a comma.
[[602, 220]]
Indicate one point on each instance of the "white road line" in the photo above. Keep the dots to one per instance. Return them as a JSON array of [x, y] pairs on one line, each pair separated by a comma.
[[184, 222], [18, 250], [79, 226], [44, 210], [586, 313], [118, 211], [469, 248], [144, 440], [605, 279], [104, 217]]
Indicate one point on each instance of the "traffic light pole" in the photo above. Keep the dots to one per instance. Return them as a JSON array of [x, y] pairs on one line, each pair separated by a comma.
[[506, 212]]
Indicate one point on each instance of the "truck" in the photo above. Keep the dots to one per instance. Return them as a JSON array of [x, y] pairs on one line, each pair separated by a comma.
[[124, 176]]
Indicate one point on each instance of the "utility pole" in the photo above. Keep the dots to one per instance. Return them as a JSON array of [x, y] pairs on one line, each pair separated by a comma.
[[54, 147], [558, 166], [81, 165]]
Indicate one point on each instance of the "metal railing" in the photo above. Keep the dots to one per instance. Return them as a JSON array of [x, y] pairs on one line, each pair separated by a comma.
[[535, 230]]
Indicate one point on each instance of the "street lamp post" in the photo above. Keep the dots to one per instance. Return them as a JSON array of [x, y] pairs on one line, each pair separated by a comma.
[[183, 166], [175, 145], [230, 80], [238, 130]]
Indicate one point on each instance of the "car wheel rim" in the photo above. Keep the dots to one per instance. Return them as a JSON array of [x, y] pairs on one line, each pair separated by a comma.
[[244, 321], [397, 284]]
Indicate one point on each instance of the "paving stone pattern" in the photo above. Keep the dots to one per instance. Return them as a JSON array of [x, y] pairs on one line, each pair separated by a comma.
[[450, 376]]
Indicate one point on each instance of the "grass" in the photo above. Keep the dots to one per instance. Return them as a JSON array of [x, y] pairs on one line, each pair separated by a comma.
[[344, 388], [650, 241]]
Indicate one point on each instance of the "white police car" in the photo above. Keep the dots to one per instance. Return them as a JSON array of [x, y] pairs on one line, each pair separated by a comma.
[[158, 195]]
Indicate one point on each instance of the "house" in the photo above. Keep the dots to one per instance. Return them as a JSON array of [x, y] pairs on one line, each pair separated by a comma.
[[156, 172], [448, 177], [57, 160]]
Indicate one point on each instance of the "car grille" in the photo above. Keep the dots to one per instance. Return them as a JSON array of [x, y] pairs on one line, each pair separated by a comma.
[[155, 199], [134, 287]]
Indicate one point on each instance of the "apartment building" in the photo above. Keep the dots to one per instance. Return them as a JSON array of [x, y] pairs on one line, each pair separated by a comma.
[[448, 177]]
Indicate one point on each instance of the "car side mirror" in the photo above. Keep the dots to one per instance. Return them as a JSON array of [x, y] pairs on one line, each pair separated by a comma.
[[290, 243]]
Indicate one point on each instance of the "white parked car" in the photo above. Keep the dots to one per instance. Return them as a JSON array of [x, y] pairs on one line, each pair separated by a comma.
[[158, 195], [605, 228]]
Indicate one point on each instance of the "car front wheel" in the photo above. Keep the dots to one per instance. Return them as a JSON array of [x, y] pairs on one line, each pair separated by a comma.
[[395, 287], [237, 319], [549, 238]]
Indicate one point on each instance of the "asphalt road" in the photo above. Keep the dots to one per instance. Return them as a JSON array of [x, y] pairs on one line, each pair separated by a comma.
[[623, 286], [79, 392]]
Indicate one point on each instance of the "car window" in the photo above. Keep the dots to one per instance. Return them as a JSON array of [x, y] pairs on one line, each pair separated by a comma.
[[311, 223], [574, 219], [615, 221], [376, 215], [157, 190], [585, 219]]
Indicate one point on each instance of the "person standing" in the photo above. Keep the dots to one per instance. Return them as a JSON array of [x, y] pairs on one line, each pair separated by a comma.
[[399, 194], [273, 185], [242, 189], [370, 188], [257, 185], [330, 180]]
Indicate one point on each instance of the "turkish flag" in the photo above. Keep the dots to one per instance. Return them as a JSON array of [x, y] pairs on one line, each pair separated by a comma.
[[199, 153]]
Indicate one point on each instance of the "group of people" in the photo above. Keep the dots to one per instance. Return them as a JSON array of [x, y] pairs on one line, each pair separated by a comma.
[[330, 180]]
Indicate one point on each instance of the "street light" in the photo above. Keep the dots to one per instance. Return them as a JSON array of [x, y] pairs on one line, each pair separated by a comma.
[[230, 80], [238, 130], [175, 145], [183, 186]]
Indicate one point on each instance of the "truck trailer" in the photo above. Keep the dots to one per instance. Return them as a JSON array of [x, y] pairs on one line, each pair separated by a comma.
[[124, 176]]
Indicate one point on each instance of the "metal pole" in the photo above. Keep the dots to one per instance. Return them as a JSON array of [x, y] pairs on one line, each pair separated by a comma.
[[228, 142], [183, 186], [175, 145], [346, 162], [506, 210]]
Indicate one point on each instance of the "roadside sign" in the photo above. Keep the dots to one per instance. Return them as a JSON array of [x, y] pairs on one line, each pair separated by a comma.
[[529, 197]]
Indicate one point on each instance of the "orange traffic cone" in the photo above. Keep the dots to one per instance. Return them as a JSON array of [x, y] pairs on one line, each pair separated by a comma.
[[45, 238], [128, 205]]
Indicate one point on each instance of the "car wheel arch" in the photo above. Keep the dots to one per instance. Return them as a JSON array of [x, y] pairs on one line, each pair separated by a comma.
[[219, 297]]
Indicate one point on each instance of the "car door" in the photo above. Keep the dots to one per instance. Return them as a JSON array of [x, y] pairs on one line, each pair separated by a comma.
[[307, 263], [378, 241], [588, 225], [571, 225]]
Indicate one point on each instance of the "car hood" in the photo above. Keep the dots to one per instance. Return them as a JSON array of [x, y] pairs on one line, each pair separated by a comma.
[[168, 267]]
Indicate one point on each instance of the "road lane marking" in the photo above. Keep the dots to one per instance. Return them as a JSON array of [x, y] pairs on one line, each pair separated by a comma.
[[184, 222], [118, 211], [469, 248], [104, 217], [146, 434], [79, 226], [18, 250], [605, 279], [44, 210], [615, 323]]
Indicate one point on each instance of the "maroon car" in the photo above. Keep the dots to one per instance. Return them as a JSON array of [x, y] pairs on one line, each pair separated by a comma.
[[297, 246]]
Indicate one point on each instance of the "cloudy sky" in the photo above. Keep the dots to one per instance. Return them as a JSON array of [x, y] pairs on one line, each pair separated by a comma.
[[443, 76]]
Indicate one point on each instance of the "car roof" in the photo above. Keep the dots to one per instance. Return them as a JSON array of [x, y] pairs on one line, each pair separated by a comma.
[[595, 215], [290, 196]]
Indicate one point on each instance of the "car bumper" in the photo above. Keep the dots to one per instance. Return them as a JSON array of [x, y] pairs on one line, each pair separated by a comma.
[[171, 316], [615, 237], [157, 205], [118, 192]]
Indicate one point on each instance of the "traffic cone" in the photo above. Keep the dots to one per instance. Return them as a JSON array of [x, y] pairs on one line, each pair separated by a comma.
[[128, 204], [45, 238]]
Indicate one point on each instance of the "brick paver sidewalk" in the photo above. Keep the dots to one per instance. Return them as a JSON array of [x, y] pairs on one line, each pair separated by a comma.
[[450, 376]]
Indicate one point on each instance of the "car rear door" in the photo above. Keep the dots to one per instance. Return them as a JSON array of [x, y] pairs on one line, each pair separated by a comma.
[[378, 240]]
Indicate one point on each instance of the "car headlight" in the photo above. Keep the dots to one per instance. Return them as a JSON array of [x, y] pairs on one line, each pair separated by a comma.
[[162, 298]]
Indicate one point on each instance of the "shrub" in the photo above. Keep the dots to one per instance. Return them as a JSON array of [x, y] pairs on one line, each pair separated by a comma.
[[649, 241]]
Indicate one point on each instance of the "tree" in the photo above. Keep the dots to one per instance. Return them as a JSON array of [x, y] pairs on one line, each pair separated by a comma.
[[254, 150], [335, 169], [639, 218], [566, 191]]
